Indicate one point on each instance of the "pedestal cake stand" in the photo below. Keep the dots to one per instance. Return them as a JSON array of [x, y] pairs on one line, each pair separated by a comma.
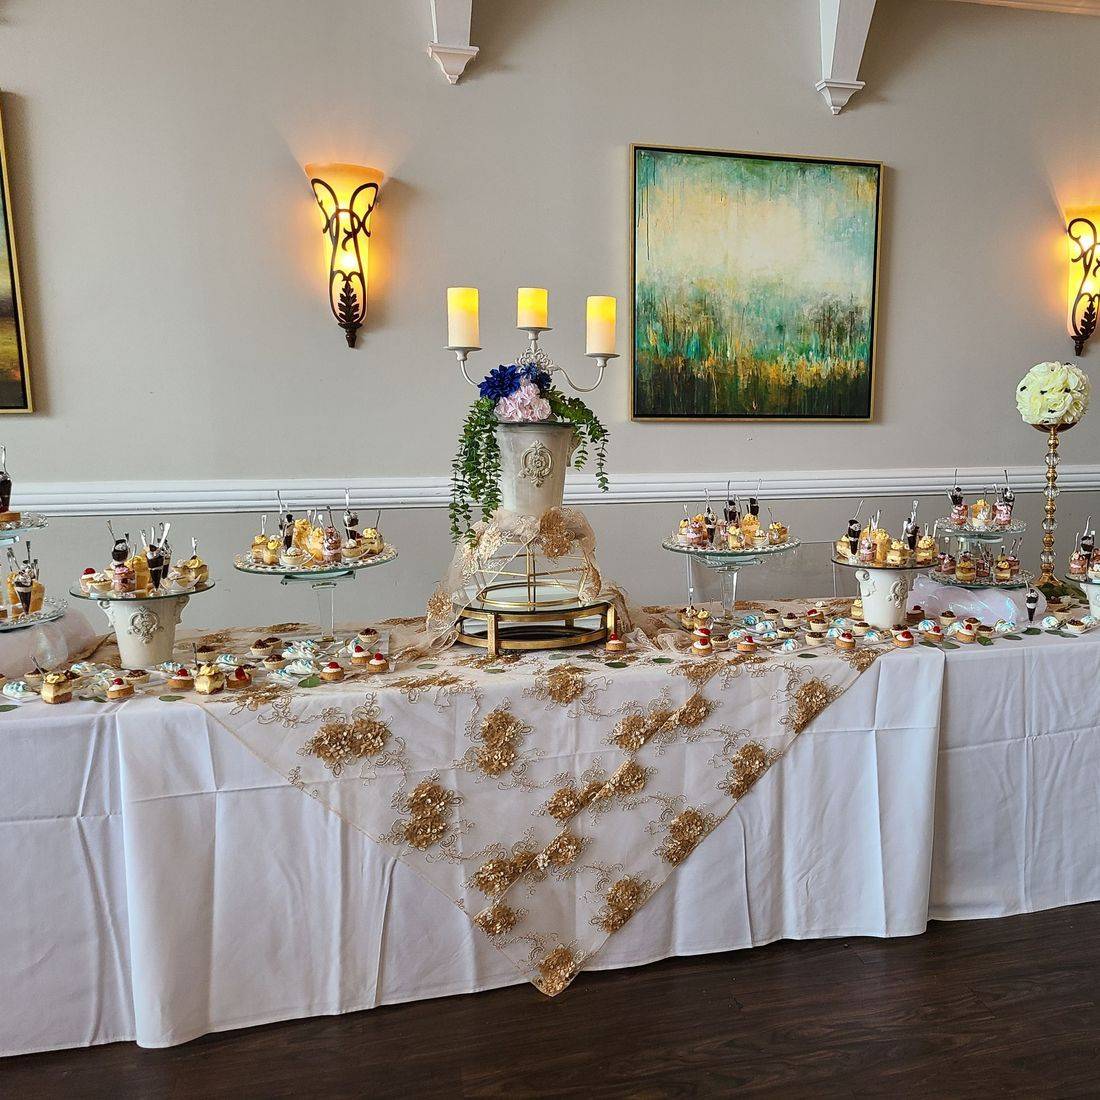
[[728, 563], [883, 591], [322, 578], [145, 626], [52, 609]]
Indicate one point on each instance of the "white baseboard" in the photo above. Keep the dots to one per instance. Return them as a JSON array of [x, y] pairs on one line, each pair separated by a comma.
[[118, 498]]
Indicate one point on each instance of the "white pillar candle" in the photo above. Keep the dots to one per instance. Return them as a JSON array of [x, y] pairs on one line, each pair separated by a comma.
[[531, 310], [600, 328], [462, 321]]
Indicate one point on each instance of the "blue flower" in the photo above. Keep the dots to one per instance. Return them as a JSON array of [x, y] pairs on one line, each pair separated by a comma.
[[531, 373], [500, 382]]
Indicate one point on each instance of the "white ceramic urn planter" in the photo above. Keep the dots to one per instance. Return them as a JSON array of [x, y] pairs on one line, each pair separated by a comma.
[[534, 459], [145, 629], [883, 593]]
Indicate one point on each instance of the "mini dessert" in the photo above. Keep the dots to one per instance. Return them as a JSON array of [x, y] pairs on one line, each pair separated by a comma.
[[210, 680], [294, 558], [759, 538], [332, 546], [1078, 564], [777, 533], [903, 639], [135, 676], [263, 647], [377, 664], [926, 550], [687, 617], [857, 608], [914, 615], [815, 637], [981, 567], [119, 689], [702, 617], [749, 526], [140, 566], [966, 633], [205, 654], [1002, 570], [360, 655], [860, 628], [746, 644], [720, 642], [100, 583], [259, 542], [693, 532], [614, 643], [353, 549], [789, 620], [981, 514], [181, 679], [971, 620], [898, 553], [965, 569], [735, 538], [1094, 568], [701, 647], [332, 672], [373, 543], [983, 630], [947, 563], [123, 579], [845, 641], [844, 551], [199, 569], [57, 687], [933, 632], [33, 680], [86, 579], [239, 677], [947, 618], [1074, 626], [274, 662], [368, 635], [271, 552]]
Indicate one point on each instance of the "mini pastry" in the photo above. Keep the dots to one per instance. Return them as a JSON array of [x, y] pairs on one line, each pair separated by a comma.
[[701, 647], [210, 680], [86, 579], [966, 633], [843, 550], [614, 643], [934, 632], [1074, 626], [898, 553], [981, 514], [359, 654], [1078, 564], [377, 664], [759, 538], [303, 666], [57, 687], [1094, 569], [332, 546], [199, 569], [33, 680], [749, 526], [262, 647], [272, 551], [860, 628], [845, 641], [140, 566], [119, 689], [777, 533], [719, 642], [947, 564], [135, 676], [259, 542], [122, 579], [274, 662], [353, 549], [687, 617], [1050, 622], [746, 643], [857, 608], [914, 614], [368, 636], [239, 677], [332, 672], [965, 569], [947, 618], [972, 621], [789, 620], [701, 632], [373, 543], [181, 679], [100, 583], [983, 630], [205, 654], [693, 532], [866, 551], [903, 639], [981, 567], [702, 617], [815, 637], [735, 538], [294, 558], [926, 550], [1002, 570]]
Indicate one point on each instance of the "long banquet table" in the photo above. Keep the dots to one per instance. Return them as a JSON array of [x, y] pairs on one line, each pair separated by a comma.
[[162, 881]]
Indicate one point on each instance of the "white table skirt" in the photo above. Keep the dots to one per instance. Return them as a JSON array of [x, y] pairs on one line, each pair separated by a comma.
[[235, 900]]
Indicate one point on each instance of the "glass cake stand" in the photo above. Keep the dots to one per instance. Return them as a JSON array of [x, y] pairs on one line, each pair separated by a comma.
[[1022, 579], [51, 611], [145, 626], [727, 563], [29, 523], [944, 526], [322, 578]]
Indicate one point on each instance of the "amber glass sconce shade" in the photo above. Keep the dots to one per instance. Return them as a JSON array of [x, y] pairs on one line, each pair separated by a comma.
[[347, 195]]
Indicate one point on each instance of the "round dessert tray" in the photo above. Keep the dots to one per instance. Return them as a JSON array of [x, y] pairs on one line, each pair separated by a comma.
[[983, 534], [1091, 590], [884, 590], [322, 578], [51, 611], [144, 625], [727, 563], [27, 524], [1022, 580]]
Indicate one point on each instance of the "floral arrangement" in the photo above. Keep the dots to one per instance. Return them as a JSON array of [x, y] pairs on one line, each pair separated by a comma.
[[1053, 394], [512, 394]]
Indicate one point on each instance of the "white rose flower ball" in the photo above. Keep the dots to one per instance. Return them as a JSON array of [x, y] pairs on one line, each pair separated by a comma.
[[1053, 393]]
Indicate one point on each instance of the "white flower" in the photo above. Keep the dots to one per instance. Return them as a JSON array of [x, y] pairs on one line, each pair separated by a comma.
[[1053, 393]]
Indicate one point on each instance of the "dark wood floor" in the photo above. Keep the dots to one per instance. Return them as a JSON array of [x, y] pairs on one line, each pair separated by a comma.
[[981, 1008]]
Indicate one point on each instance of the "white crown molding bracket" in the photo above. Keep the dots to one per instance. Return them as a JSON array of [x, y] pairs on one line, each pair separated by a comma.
[[844, 27], [451, 47], [123, 498]]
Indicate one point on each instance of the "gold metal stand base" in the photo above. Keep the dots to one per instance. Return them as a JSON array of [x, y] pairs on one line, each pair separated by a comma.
[[525, 631]]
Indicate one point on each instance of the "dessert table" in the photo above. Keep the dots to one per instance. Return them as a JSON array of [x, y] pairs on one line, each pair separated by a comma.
[[180, 867]]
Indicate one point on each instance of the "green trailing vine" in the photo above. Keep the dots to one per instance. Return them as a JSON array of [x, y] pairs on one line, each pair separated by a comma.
[[476, 469]]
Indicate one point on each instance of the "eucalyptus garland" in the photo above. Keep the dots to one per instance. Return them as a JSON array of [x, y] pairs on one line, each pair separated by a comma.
[[514, 395]]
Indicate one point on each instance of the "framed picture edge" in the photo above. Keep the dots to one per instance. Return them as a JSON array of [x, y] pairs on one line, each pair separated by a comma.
[[16, 288], [632, 244]]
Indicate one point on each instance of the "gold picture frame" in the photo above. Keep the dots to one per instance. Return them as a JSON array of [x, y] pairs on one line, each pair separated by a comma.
[[15, 376], [860, 372]]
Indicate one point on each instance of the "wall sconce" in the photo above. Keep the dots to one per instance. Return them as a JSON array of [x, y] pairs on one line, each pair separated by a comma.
[[347, 195], [1084, 278]]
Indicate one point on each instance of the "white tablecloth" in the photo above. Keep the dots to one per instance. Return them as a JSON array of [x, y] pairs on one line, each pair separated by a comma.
[[161, 883]]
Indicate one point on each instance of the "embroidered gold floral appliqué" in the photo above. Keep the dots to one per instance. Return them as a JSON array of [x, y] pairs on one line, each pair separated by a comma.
[[685, 831], [557, 969], [749, 763], [624, 899]]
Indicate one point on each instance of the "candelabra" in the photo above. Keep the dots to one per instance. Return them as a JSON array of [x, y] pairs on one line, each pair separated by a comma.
[[535, 356]]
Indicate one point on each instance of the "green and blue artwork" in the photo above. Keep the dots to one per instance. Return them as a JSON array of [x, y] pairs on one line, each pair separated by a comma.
[[754, 286]]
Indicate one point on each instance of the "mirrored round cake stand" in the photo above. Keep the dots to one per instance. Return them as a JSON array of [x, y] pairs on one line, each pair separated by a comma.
[[883, 591], [145, 626], [51, 611], [322, 579], [1091, 589], [1022, 580], [727, 564]]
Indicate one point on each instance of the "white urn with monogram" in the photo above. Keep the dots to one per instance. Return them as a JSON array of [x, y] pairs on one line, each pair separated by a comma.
[[533, 461], [145, 629]]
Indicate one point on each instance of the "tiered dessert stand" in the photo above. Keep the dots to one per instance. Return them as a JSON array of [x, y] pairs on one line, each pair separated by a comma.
[[967, 537], [52, 609], [727, 564], [144, 625], [322, 578]]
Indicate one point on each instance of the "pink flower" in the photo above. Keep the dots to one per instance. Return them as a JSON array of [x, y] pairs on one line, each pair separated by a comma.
[[525, 405]]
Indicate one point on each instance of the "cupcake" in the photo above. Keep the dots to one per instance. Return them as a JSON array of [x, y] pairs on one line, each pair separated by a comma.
[[859, 628], [263, 647], [719, 642], [845, 641], [903, 639], [746, 644], [815, 637], [135, 676], [378, 664], [181, 679], [947, 618], [119, 689], [614, 643], [332, 672], [1075, 626]]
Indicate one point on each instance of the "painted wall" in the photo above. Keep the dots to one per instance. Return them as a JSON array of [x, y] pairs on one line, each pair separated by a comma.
[[172, 268]]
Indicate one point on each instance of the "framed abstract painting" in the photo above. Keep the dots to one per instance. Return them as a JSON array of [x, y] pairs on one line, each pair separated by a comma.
[[15, 382], [755, 281]]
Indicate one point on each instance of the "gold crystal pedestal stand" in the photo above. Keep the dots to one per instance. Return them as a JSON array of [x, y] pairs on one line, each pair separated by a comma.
[[1047, 582]]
